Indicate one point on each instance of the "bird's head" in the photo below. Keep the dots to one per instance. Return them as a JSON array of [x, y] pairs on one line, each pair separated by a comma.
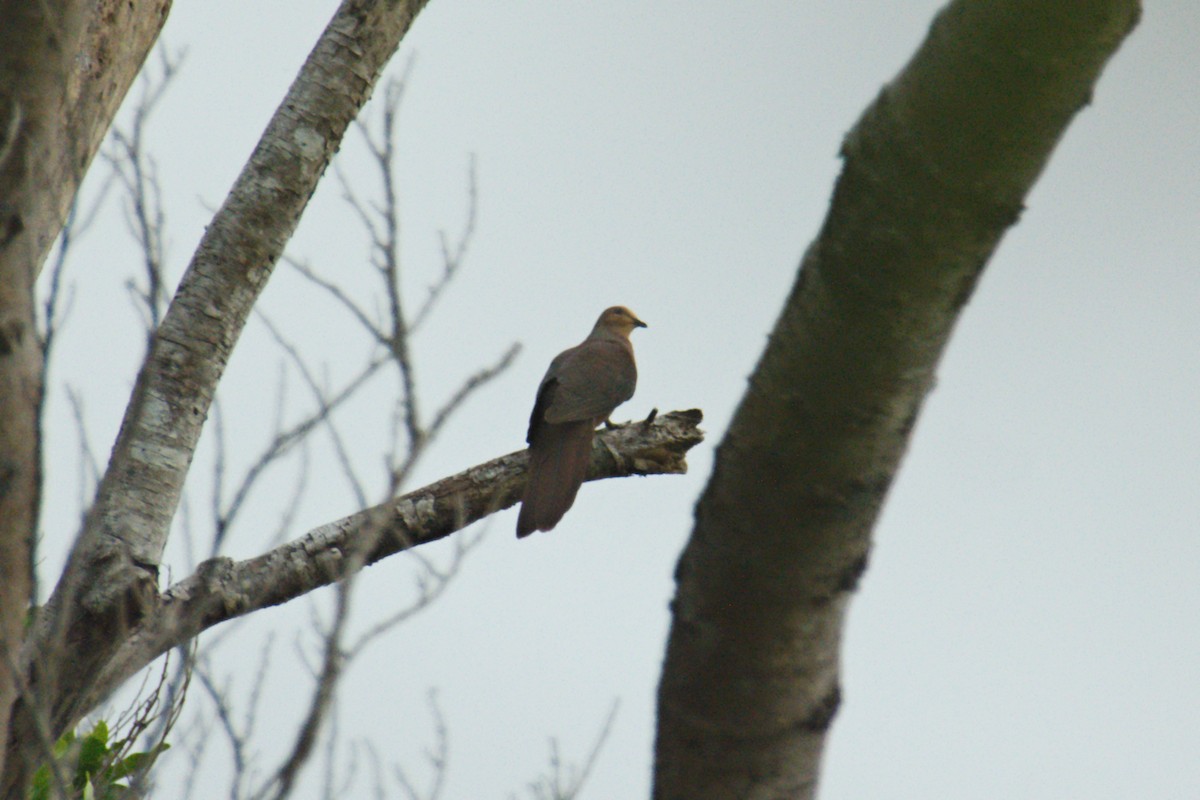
[[618, 320]]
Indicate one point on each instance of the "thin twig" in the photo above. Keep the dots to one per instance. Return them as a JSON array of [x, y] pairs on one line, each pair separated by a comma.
[[237, 743], [429, 588], [325, 407], [439, 757], [137, 171], [89, 465], [564, 782], [41, 723], [471, 384], [336, 293], [452, 258]]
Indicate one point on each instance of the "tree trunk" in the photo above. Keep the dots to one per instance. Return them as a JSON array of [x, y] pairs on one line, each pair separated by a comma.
[[64, 69], [110, 581], [935, 172]]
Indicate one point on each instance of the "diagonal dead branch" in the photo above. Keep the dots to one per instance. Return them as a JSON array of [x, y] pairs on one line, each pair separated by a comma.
[[222, 589]]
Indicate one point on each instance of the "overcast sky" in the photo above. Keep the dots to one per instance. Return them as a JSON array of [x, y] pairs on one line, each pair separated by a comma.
[[1028, 625]]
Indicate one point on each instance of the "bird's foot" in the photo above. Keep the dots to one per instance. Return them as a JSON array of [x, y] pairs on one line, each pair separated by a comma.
[[646, 423]]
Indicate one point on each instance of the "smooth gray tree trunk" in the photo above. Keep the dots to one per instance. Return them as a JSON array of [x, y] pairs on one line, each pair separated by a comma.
[[935, 172]]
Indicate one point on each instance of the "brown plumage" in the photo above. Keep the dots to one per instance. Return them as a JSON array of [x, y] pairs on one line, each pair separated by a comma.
[[580, 389]]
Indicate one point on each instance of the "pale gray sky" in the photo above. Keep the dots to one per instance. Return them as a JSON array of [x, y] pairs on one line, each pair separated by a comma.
[[1028, 624]]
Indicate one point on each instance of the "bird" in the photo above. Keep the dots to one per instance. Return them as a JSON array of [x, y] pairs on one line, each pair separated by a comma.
[[582, 387]]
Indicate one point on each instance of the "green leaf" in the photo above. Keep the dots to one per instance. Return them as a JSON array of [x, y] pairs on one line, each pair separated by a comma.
[[135, 762], [115, 791], [63, 744], [100, 731], [39, 787], [93, 753]]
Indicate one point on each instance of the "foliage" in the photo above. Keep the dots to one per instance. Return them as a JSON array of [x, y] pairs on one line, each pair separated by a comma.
[[95, 768]]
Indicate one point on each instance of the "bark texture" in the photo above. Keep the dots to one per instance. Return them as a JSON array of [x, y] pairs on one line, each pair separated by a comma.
[[64, 68], [110, 581], [935, 172], [222, 588]]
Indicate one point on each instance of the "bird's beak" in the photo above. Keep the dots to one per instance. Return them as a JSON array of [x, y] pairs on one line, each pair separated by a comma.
[[637, 323]]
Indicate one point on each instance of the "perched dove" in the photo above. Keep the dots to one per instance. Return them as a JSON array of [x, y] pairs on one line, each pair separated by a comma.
[[581, 388]]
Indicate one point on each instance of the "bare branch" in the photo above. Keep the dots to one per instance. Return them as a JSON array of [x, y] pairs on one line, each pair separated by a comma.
[[328, 791], [89, 466], [292, 508], [323, 415], [381, 221], [110, 579], [44, 739], [564, 782], [438, 758], [238, 735], [430, 587], [333, 661], [250, 717], [220, 524], [336, 293], [177, 688], [237, 742], [198, 732], [350, 196], [222, 589], [137, 719], [137, 171], [285, 440], [417, 448], [452, 257], [56, 309]]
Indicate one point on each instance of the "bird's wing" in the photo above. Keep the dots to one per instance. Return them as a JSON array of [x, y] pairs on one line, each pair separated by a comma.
[[545, 398], [587, 382]]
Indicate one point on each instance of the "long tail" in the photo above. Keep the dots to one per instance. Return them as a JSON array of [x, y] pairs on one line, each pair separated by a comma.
[[558, 463]]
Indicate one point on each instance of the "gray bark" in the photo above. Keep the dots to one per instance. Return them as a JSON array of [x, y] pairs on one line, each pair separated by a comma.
[[935, 172], [222, 589], [64, 68], [110, 581]]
